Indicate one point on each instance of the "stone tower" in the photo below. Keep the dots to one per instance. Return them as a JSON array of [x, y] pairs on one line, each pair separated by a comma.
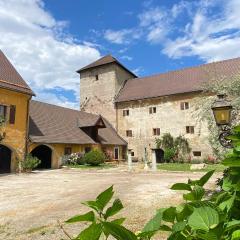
[[100, 82]]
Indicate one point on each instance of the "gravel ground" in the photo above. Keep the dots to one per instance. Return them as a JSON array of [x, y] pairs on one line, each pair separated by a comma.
[[32, 204]]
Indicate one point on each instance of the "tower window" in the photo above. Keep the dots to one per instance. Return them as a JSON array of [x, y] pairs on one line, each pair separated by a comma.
[[132, 154], [96, 77], [156, 131], [125, 112], [129, 133], [184, 105], [152, 110], [190, 129]]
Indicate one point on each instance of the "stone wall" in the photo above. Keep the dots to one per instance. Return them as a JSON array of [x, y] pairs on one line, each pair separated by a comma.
[[97, 96], [168, 117]]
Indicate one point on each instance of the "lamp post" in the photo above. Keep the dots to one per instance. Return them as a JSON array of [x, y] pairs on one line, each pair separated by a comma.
[[222, 110]]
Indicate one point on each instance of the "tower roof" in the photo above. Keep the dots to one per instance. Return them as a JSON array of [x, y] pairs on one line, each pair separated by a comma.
[[108, 59], [10, 78]]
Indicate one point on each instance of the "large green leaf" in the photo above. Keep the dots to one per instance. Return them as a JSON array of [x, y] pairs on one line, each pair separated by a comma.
[[195, 195], [208, 236], [169, 214], [115, 208], [93, 232], [119, 232], [155, 223], [236, 235], [181, 186], [228, 203], [233, 224], [204, 179], [203, 218], [92, 204], [179, 226], [87, 217], [104, 197], [231, 161]]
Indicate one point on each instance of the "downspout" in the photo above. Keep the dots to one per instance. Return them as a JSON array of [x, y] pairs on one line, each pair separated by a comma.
[[27, 128]]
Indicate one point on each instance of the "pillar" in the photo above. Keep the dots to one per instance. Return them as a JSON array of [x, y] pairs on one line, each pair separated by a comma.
[[154, 160]]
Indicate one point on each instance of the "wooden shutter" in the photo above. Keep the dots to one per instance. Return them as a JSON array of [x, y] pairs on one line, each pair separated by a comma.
[[12, 114], [182, 105]]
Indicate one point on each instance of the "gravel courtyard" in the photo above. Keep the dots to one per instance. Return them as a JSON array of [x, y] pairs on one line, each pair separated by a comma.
[[32, 204]]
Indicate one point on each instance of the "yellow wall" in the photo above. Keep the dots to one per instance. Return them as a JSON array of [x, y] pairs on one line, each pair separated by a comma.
[[15, 133], [58, 150]]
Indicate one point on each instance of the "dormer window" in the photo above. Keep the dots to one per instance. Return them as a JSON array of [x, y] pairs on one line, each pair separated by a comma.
[[96, 77]]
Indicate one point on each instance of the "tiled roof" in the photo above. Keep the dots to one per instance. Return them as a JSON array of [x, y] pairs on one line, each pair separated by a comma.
[[177, 82], [10, 78], [54, 124], [103, 61]]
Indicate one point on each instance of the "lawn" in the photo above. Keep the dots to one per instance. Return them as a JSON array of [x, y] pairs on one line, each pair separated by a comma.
[[185, 167]]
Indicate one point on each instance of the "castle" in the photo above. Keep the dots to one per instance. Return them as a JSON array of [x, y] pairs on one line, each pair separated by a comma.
[[119, 112]]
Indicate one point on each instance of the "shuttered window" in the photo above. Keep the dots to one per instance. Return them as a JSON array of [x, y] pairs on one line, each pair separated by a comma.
[[156, 131], [12, 114], [125, 112], [129, 133], [184, 105], [190, 129], [152, 110]]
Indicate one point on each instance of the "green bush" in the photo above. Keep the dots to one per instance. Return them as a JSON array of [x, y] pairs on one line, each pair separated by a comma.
[[29, 163], [169, 154], [94, 157]]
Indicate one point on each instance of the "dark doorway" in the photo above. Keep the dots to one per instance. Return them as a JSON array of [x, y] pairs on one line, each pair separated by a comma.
[[5, 159], [43, 153], [159, 155], [116, 153]]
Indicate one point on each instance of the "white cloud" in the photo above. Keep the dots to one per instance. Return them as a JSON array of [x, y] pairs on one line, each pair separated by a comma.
[[36, 44], [125, 57], [123, 36], [210, 36]]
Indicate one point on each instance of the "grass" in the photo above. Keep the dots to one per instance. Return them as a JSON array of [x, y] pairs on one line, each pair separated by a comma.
[[185, 167], [102, 166]]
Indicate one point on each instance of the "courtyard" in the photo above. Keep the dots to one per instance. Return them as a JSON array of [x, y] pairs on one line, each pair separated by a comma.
[[32, 204]]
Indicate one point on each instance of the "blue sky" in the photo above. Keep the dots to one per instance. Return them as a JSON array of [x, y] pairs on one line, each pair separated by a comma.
[[48, 40]]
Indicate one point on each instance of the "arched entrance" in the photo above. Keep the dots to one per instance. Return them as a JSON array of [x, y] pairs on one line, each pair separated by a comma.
[[159, 155], [43, 153], [5, 159]]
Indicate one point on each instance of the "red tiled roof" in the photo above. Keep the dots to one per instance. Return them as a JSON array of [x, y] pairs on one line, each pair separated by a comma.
[[108, 59], [177, 82], [53, 124], [10, 78]]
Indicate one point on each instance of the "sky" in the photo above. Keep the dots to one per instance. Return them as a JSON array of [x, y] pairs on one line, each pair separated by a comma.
[[48, 40]]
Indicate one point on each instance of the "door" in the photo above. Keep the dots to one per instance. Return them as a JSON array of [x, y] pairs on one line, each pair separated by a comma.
[[116, 153], [5, 159]]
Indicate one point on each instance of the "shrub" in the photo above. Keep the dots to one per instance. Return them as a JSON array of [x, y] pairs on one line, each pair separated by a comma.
[[95, 157], [29, 163], [169, 154], [210, 160], [73, 159]]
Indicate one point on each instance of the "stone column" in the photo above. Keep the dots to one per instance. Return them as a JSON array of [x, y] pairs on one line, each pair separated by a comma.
[[130, 159], [154, 160]]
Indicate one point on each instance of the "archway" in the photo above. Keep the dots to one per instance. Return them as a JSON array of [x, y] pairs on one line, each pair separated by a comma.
[[5, 159], [159, 155], [43, 153]]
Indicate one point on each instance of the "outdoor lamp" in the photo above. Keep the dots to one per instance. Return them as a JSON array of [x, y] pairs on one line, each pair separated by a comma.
[[222, 109]]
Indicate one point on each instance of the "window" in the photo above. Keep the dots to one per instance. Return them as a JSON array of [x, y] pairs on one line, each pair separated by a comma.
[[12, 114], [67, 150], [190, 129], [184, 105], [3, 111], [156, 131], [197, 153], [132, 154], [96, 77], [152, 110], [129, 133], [125, 112]]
